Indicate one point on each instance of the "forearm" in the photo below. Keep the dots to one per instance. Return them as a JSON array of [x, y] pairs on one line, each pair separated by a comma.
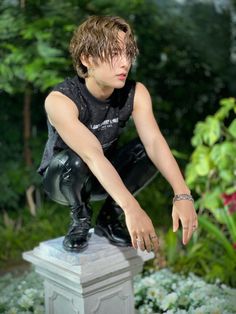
[[161, 156], [109, 178]]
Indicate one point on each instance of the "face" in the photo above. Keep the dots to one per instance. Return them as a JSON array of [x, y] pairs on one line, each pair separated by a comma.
[[110, 74]]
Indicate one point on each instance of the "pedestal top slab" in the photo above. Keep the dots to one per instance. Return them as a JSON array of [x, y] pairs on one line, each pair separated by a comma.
[[99, 248], [99, 260]]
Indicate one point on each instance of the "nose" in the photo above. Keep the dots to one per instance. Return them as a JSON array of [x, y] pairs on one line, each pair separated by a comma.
[[125, 62]]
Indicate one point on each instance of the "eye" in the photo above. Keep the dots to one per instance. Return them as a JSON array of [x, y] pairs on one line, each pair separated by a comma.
[[115, 53]]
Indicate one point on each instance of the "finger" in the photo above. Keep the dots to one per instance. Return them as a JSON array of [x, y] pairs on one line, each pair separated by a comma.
[[195, 223], [175, 219], [140, 242], [147, 243], [190, 230], [185, 227], [155, 244], [134, 240]]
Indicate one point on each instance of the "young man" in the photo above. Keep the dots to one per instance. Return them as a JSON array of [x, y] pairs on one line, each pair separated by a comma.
[[82, 161]]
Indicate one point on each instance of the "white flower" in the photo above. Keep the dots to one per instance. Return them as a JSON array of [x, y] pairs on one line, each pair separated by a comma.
[[13, 310], [169, 300], [39, 309], [148, 281], [156, 294], [170, 312], [145, 309], [25, 302], [183, 300]]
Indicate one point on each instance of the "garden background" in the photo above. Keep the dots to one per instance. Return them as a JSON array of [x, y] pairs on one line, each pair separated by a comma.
[[188, 62]]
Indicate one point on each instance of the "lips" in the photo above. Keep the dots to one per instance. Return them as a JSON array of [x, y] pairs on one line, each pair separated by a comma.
[[122, 76]]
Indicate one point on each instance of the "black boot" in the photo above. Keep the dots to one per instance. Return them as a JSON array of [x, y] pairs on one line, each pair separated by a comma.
[[77, 236], [109, 224]]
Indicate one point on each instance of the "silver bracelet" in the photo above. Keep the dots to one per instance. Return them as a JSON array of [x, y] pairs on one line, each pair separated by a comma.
[[180, 197]]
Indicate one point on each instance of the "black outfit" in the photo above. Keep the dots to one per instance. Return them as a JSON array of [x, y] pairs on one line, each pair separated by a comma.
[[68, 180]]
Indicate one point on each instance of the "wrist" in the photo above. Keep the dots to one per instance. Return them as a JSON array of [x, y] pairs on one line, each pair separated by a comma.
[[183, 196], [130, 205], [181, 190]]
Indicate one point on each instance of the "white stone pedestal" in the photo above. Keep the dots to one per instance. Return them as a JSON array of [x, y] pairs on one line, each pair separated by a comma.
[[98, 280]]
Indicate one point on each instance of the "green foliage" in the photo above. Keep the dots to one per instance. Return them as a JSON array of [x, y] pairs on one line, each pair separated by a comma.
[[206, 255], [211, 175], [31, 52], [211, 170], [21, 231]]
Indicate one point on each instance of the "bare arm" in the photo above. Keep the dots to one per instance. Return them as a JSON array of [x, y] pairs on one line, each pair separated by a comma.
[[160, 154], [154, 142], [63, 114]]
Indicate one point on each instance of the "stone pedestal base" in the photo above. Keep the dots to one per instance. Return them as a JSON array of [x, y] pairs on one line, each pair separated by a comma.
[[98, 280]]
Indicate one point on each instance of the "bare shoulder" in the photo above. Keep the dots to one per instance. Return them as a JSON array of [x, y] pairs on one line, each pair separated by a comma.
[[141, 89], [59, 106], [142, 96]]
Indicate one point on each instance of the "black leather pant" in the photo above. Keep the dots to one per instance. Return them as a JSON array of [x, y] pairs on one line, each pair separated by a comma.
[[69, 181]]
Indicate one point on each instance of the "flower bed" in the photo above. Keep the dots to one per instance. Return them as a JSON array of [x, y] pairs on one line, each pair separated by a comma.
[[165, 292], [21, 295], [157, 292]]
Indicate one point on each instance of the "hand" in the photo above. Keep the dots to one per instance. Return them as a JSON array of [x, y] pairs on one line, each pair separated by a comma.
[[140, 227], [184, 211]]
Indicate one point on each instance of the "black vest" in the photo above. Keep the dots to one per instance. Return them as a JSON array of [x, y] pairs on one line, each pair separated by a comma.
[[104, 119]]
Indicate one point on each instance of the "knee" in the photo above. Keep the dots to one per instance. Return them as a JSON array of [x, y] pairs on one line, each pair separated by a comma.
[[75, 163], [74, 169]]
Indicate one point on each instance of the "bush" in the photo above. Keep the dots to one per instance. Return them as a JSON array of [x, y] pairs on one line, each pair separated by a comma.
[[210, 174]]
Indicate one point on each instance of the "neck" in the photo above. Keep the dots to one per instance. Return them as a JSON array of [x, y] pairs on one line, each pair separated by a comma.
[[99, 91]]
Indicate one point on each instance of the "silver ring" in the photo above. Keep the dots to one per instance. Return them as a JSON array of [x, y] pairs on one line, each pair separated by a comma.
[[153, 236], [139, 240]]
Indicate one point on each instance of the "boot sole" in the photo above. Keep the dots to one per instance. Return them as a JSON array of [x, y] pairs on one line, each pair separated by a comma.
[[81, 249], [102, 233], [78, 249]]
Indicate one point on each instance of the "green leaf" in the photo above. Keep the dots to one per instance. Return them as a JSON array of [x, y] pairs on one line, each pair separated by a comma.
[[232, 128], [198, 134], [203, 168], [211, 200], [223, 155], [207, 132], [46, 51], [228, 102], [230, 190], [212, 131], [222, 113], [191, 174], [230, 222], [227, 176], [33, 70], [201, 160], [219, 235]]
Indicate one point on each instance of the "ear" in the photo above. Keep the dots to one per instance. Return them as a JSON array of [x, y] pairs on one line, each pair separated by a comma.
[[87, 61]]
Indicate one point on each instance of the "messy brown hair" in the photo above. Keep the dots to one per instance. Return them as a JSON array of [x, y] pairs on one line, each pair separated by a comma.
[[98, 38]]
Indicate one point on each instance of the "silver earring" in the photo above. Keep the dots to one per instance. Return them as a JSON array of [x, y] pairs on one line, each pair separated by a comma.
[[90, 71]]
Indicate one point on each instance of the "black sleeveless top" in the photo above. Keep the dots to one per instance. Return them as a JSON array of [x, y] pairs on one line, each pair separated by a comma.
[[105, 119]]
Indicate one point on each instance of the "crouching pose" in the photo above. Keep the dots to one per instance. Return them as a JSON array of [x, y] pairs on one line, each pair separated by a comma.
[[83, 161]]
